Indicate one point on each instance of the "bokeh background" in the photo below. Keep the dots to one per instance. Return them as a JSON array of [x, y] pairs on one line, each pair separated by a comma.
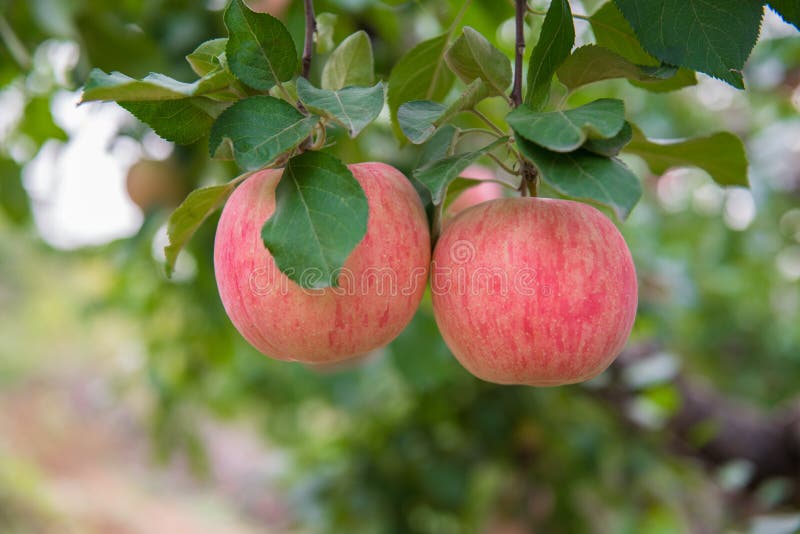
[[128, 403]]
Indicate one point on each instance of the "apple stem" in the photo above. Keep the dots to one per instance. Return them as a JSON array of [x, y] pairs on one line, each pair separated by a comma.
[[311, 28], [516, 92]]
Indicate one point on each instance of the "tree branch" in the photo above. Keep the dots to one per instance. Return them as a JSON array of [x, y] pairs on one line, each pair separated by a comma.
[[769, 442], [519, 16], [311, 28]]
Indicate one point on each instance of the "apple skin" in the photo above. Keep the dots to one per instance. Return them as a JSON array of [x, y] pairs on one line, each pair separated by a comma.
[[570, 291], [367, 310], [479, 193]]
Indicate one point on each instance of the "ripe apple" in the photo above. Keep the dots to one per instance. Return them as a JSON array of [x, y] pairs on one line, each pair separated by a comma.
[[533, 291], [379, 289], [483, 191]]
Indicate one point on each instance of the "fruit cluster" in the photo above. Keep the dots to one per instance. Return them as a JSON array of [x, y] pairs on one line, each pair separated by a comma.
[[526, 290]]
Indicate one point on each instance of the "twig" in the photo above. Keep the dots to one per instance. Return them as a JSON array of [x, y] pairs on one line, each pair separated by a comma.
[[311, 29], [502, 165], [483, 131], [516, 92], [488, 121]]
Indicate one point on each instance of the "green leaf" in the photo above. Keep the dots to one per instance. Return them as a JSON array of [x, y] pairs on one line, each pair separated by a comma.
[[153, 87], [437, 175], [789, 10], [419, 119], [721, 155], [592, 63], [122, 88], [565, 131], [421, 74], [259, 129], [613, 32], [473, 57], [611, 146], [326, 25], [13, 197], [260, 50], [439, 146], [320, 216], [350, 64], [180, 121], [553, 47], [208, 56], [352, 107], [711, 36], [188, 217], [586, 176]]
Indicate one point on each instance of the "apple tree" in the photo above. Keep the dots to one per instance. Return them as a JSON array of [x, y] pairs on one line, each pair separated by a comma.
[[336, 138]]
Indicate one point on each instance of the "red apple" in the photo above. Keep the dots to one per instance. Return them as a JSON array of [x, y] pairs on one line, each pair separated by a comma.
[[379, 289], [533, 291], [481, 192]]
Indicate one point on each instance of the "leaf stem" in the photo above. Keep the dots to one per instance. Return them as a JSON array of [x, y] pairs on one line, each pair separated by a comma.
[[458, 17], [502, 165], [311, 29], [480, 131], [488, 121], [519, 51], [544, 13]]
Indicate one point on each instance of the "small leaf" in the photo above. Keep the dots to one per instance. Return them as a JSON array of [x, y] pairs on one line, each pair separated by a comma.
[[352, 107], [721, 155], [553, 47], [421, 74], [188, 217], [592, 63], [789, 10], [320, 216], [439, 146], [153, 87], [259, 129], [180, 121], [565, 131], [207, 57], [473, 57], [611, 146], [587, 176], [419, 119], [326, 24], [437, 175], [711, 36], [351, 63], [117, 86], [260, 50], [613, 32]]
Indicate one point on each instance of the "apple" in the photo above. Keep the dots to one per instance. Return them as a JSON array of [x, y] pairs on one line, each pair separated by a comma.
[[533, 291], [153, 184], [483, 191], [379, 289]]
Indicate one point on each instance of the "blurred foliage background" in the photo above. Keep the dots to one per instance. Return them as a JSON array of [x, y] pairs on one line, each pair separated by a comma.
[[106, 365]]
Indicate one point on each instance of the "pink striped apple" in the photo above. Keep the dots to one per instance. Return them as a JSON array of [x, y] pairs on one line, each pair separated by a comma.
[[533, 291], [481, 192], [379, 289]]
